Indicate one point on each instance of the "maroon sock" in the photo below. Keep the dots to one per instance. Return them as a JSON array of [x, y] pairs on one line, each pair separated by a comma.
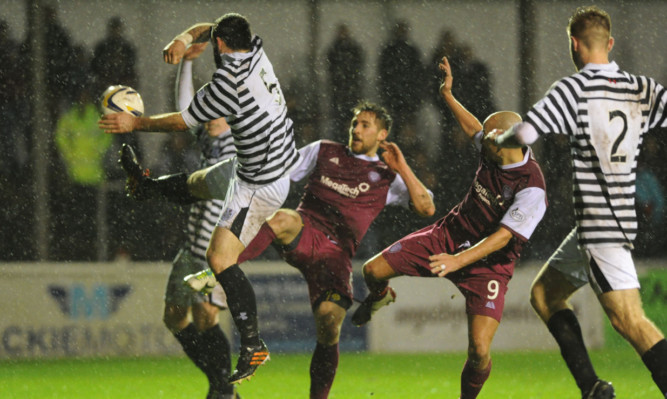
[[261, 242], [323, 367], [472, 380]]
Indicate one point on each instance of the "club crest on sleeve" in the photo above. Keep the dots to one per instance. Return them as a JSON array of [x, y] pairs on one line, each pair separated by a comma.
[[517, 215]]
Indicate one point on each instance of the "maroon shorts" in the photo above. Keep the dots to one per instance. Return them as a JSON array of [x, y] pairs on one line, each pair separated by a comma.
[[483, 288], [325, 266]]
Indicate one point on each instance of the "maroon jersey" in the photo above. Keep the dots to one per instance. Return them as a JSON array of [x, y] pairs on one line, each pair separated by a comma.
[[345, 194], [489, 204]]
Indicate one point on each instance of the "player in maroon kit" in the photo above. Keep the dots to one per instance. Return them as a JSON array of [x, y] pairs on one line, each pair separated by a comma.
[[347, 188], [476, 244]]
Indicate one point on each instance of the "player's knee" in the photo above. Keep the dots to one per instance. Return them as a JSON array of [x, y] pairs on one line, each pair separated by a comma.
[[283, 220], [174, 318], [479, 353], [328, 320]]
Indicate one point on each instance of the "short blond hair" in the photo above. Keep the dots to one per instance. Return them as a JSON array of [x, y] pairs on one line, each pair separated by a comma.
[[591, 25]]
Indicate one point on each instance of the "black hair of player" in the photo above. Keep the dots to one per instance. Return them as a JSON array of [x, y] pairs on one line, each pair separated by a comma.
[[382, 117], [234, 30]]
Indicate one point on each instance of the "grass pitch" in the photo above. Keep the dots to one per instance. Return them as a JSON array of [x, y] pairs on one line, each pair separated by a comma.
[[515, 375]]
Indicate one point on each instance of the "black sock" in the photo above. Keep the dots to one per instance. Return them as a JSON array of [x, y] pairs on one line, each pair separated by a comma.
[[218, 359], [565, 328], [174, 188], [190, 340], [655, 360], [242, 303]]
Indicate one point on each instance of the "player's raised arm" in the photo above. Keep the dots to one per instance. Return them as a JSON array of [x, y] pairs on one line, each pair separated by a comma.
[[122, 122], [468, 122], [175, 49], [420, 198]]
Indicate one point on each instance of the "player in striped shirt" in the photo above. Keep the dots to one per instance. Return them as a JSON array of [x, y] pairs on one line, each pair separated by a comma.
[[202, 339], [246, 92], [605, 111]]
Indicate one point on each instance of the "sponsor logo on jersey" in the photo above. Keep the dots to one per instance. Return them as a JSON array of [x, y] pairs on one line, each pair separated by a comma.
[[517, 215], [485, 195], [334, 160], [344, 189]]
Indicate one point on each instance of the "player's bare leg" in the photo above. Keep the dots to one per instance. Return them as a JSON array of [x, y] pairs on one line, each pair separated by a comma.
[[329, 318], [481, 330], [549, 296], [626, 314], [377, 272]]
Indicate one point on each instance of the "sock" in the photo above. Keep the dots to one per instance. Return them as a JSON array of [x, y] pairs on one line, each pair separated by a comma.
[[655, 360], [190, 340], [265, 236], [565, 328], [323, 366], [218, 358], [376, 288], [174, 188], [242, 303], [472, 380]]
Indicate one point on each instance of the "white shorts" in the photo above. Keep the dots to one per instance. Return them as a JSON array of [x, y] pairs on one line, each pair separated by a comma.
[[247, 206], [219, 176], [605, 268], [180, 294]]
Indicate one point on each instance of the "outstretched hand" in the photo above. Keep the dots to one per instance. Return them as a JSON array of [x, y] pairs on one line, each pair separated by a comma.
[[119, 122], [173, 52], [392, 155], [447, 78]]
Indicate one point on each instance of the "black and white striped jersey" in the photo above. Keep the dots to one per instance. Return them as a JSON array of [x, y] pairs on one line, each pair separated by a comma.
[[605, 112], [246, 92], [204, 215]]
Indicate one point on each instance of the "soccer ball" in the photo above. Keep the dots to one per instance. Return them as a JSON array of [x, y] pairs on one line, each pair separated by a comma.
[[121, 98]]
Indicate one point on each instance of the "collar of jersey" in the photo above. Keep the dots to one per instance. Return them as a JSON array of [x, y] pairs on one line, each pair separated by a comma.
[[526, 156], [366, 157], [605, 67]]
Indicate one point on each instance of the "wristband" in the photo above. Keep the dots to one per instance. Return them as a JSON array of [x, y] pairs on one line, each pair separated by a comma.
[[184, 38]]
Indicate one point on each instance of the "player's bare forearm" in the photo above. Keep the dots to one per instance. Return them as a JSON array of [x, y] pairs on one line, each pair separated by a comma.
[[420, 198], [468, 122], [173, 52], [200, 32], [443, 264], [422, 202], [465, 119], [171, 122]]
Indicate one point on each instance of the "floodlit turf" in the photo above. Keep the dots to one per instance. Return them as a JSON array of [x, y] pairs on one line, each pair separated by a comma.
[[515, 375]]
